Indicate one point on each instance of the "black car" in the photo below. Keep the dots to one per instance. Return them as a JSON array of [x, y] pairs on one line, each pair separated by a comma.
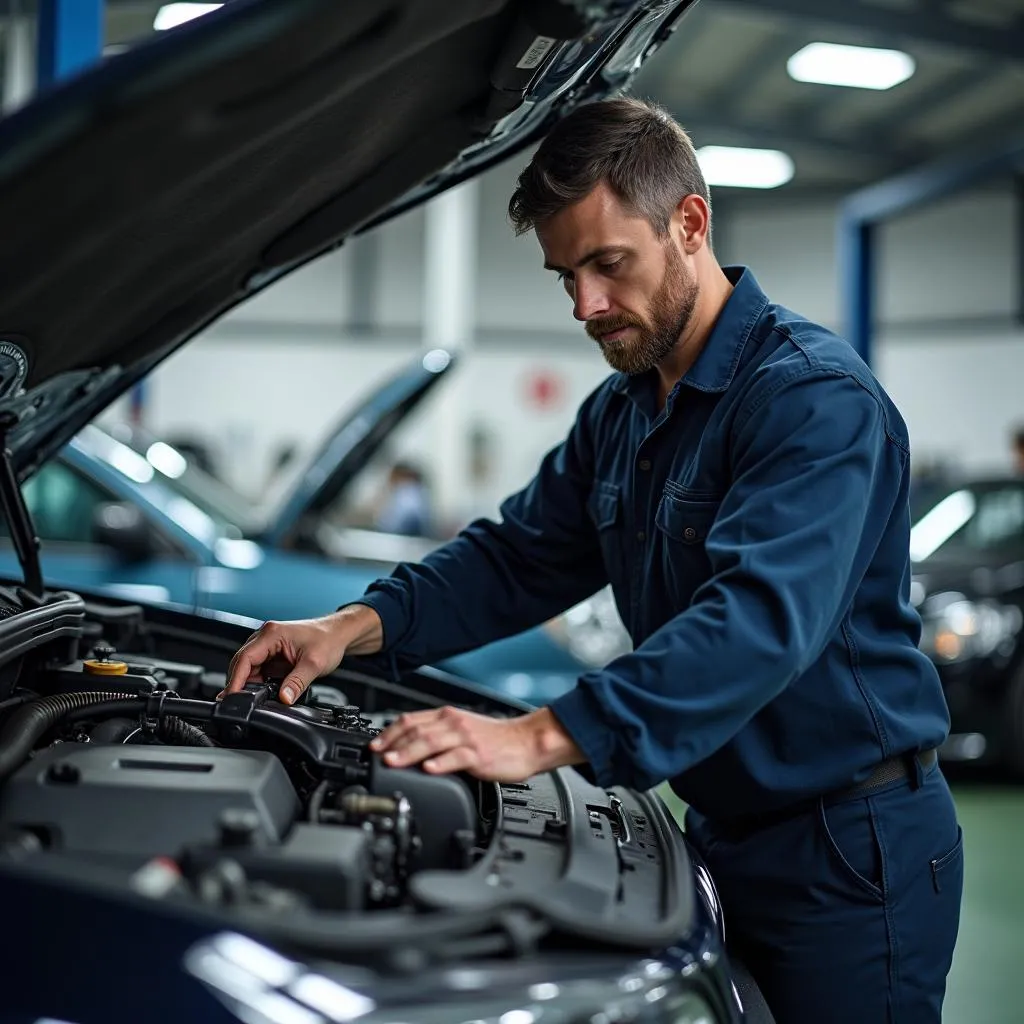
[[967, 543], [168, 857]]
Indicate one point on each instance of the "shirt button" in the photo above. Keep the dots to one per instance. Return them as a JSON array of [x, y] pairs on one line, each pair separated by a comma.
[[641, 536], [690, 533], [645, 464]]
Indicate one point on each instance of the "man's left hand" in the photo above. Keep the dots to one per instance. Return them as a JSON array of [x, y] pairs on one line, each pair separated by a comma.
[[496, 750]]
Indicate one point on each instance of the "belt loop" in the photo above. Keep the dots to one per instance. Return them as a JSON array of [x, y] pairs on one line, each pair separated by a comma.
[[916, 772]]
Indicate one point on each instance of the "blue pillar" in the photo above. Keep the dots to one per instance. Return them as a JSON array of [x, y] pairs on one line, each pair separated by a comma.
[[877, 203], [857, 277], [69, 38]]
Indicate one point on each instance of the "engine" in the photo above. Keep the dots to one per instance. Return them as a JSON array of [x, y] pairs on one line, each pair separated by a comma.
[[126, 761], [120, 769]]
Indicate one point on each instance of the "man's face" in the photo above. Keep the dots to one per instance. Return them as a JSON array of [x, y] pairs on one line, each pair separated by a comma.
[[634, 291]]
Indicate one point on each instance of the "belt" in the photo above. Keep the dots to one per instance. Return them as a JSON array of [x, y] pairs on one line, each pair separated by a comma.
[[893, 769]]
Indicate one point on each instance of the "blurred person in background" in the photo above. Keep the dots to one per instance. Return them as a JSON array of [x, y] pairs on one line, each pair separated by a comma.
[[742, 481], [1018, 450], [405, 508]]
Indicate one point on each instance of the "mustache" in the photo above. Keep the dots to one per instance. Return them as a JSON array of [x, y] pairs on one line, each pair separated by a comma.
[[597, 329]]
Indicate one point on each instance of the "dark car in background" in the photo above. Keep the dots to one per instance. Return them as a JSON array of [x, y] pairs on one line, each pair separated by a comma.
[[168, 857], [967, 545]]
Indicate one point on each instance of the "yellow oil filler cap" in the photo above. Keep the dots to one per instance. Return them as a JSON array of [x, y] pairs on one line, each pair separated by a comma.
[[105, 668]]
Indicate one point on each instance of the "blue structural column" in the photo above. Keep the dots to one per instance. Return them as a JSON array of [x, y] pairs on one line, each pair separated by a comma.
[[862, 211], [857, 275], [69, 38]]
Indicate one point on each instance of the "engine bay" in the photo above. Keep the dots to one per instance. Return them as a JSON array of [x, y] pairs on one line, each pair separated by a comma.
[[118, 763]]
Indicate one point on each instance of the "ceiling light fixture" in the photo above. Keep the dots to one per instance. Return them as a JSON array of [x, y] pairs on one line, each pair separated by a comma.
[[173, 15], [736, 167], [857, 67]]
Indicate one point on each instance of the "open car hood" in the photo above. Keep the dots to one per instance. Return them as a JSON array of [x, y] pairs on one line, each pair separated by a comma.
[[145, 198], [351, 444]]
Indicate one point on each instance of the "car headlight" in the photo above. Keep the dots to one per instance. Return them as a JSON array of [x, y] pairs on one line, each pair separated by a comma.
[[592, 630], [957, 630]]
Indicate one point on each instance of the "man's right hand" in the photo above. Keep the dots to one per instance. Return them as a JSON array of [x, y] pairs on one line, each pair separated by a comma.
[[304, 650]]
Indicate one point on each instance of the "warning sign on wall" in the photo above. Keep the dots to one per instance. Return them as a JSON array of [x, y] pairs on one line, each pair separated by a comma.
[[544, 389]]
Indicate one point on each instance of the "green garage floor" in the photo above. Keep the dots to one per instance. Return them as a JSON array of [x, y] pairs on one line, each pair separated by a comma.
[[986, 985]]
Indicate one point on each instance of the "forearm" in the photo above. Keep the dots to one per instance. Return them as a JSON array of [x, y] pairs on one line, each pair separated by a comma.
[[363, 628], [492, 581], [551, 744]]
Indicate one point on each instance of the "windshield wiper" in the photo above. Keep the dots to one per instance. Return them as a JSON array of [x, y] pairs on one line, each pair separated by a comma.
[[23, 534]]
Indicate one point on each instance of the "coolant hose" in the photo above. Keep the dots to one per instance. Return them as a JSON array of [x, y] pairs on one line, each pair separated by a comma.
[[178, 732], [26, 725]]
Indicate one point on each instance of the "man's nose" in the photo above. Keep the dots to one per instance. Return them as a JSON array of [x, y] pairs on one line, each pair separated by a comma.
[[589, 301]]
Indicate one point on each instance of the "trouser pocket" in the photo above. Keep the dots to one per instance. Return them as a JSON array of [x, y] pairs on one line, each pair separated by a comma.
[[851, 838], [948, 870]]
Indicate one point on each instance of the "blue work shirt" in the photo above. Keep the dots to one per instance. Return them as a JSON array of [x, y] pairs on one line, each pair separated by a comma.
[[755, 532]]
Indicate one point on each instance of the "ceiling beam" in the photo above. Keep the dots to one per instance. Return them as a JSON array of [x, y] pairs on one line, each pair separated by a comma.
[[928, 25], [707, 126], [935, 180], [883, 131]]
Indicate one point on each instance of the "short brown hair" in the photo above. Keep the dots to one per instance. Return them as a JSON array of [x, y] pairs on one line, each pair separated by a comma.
[[635, 146]]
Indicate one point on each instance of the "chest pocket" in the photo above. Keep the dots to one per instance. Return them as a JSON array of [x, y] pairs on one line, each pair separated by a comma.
[[683, 526]]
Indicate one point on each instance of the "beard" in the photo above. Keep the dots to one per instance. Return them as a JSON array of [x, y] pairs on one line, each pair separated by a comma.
[[671, 308]]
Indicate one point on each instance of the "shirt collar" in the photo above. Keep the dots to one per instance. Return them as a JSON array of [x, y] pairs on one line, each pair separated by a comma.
[[717, 363]]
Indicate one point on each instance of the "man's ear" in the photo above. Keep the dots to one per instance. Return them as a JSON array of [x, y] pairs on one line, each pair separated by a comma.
[[692, 218]]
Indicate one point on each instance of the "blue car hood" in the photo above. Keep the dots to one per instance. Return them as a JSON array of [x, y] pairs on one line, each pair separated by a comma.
[[143, 199]]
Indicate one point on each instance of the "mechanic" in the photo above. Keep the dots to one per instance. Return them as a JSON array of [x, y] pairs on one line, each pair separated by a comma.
[[742, 482]]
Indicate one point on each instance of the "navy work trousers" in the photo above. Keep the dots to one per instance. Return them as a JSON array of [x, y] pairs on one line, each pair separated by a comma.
[[849, 911]]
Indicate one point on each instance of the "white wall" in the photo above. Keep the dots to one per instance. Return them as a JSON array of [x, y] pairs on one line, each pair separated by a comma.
[[960, 395], [281, 368], [255, 396], [949, 347]]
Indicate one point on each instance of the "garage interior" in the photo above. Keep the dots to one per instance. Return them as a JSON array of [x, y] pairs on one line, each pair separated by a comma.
[[889, 208]]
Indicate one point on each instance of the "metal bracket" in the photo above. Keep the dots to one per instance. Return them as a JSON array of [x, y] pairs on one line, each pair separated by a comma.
[[154, 711]]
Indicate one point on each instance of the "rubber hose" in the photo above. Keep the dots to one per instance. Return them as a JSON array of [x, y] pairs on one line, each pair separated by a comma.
[[25, 727], [178, 732], [113, 730]]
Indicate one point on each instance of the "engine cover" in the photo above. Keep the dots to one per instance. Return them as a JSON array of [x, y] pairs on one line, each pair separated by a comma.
[[136, 802]]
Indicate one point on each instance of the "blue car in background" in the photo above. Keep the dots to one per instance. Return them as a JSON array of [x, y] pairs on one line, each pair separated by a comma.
[[123, 512]]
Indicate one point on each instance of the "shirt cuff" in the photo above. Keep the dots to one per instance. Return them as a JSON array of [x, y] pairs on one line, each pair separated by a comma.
[[580, 715]]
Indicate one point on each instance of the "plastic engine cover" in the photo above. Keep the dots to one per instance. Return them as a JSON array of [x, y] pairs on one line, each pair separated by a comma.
[[134, 802]]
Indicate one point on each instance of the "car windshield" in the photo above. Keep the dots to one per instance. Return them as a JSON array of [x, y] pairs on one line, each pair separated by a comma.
[[976, 518], [217, 500], [152, 459]]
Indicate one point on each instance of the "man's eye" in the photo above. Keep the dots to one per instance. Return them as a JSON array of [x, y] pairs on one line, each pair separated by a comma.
[[608, 268]]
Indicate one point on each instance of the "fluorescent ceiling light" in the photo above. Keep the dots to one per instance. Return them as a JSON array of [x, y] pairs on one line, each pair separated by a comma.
[[744, 168], [858, 67], [173, 15]]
